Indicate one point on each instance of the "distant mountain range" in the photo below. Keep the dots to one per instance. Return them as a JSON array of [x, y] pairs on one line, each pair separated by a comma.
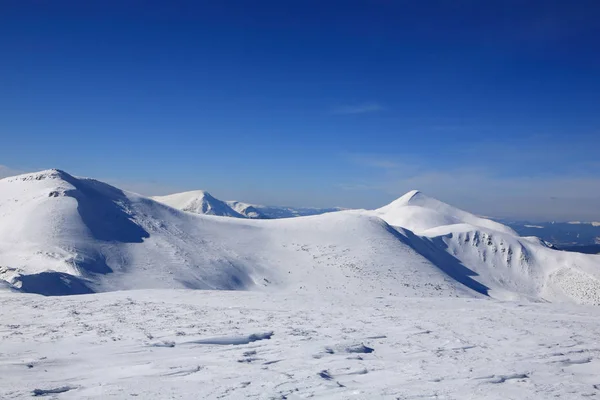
[[571, 236]]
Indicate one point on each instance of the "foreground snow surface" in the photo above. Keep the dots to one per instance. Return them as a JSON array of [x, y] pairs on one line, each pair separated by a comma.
[[182, 344]]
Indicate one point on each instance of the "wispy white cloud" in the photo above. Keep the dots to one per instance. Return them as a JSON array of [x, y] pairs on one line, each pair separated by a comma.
[[358, 108]]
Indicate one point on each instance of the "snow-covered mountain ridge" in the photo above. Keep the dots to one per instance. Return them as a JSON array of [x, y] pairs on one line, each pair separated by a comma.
[[201, 202], [64, 235]]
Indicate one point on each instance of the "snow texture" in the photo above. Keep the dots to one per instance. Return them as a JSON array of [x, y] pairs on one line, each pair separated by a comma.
[[98, 346]]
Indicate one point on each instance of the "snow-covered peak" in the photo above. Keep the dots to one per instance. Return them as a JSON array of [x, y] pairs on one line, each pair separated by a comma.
[[419, 212], [406, 199], [53, 173], [199, 202], [247, 210]]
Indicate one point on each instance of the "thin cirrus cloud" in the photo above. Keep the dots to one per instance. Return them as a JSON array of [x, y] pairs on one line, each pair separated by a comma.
[[364, 108]]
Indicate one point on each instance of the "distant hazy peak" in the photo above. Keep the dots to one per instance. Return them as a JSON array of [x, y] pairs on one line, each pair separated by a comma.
[[199, 202]]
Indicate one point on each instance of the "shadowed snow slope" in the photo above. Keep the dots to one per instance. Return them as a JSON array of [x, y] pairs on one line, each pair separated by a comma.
[[65, 235]]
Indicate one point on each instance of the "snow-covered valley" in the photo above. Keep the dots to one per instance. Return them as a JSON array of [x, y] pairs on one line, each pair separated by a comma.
[[416, 299]]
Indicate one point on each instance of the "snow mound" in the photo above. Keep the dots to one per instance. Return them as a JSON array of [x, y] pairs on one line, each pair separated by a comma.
[[199, 202], [234, 340]]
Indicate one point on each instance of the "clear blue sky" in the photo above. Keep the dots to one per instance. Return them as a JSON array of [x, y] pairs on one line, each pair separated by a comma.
[[491, 105]]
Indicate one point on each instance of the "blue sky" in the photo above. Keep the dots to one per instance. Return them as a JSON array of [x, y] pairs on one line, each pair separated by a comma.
[[493, 106]]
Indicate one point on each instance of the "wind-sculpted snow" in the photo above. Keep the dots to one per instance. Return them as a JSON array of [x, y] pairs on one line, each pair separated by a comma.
[[233, 340], [437, 254], [53, 284], [100, 346]]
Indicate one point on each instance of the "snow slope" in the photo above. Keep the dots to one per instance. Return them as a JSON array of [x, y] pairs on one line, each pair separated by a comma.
[[247, 210], [199, 202], [418, 212], [174, 344], [509, 266], [65, 235]]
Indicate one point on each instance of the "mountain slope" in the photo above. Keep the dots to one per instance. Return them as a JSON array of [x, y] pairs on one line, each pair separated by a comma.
[[65, 235], [418, 212], [247, 210], [507, 265]]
